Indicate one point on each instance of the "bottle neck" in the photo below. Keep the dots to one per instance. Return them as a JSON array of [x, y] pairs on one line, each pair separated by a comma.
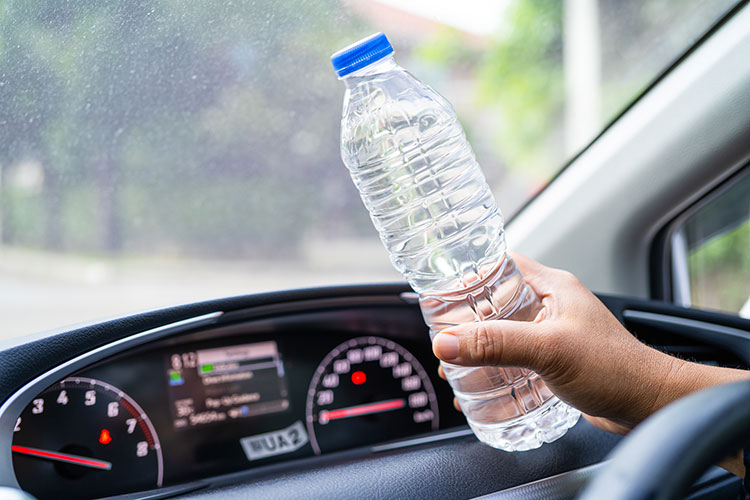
[[380, 66]]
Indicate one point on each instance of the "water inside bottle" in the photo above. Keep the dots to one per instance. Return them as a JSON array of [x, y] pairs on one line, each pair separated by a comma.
[[427, 197], [489, 393]]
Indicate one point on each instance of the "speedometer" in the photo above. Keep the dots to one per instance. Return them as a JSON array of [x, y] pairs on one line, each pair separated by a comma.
[[365, 390], [84, 438]]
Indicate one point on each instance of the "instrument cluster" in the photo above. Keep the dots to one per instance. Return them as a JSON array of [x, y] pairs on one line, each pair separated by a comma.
[[223, 400]]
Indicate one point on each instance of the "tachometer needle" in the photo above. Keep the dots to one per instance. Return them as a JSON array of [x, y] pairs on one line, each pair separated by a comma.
[[63, 457], [356, 411]]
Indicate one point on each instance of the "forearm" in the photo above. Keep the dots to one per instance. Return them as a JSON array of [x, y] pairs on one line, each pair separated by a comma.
[[687, 377]]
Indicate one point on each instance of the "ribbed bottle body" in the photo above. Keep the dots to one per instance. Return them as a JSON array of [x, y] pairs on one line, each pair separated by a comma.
[[427, 197], [419, 179]]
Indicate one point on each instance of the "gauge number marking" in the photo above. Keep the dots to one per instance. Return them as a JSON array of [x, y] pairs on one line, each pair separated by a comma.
[[363, 368]]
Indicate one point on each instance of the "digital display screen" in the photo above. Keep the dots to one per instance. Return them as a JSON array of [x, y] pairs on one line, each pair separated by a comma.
[[225, 383]]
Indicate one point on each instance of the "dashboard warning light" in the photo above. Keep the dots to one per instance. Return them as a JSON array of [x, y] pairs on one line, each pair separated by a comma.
[[359, 378], [104, 437]]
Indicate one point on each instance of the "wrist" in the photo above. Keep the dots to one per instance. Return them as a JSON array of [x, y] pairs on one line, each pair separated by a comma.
[[672, 382], [654, 379], [664, 379], [685, 377]]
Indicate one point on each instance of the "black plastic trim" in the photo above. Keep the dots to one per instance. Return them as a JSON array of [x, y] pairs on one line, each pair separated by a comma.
[[563, 486], [733, 340], [662, 457], [29, 359], [461, 467], [568, 485], [33, 359], [706, 341], [660, 258]]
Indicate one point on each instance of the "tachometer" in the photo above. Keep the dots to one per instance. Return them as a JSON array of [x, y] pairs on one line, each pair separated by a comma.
[[366, 390], [84, 438]]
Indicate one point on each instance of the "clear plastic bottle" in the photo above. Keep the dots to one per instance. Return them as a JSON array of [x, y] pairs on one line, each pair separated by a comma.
[[428, 199]]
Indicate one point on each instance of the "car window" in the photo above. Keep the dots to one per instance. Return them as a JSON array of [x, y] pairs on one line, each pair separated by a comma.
[[156, 152], [710, 257]]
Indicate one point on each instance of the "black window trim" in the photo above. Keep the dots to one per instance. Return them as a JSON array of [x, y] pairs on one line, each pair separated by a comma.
[[670, 241]]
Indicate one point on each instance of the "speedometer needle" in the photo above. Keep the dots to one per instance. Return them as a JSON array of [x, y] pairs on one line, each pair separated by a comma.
[[356, 411], [63, 457]]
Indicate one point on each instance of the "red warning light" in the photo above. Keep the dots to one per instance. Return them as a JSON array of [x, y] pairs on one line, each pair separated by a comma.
[[104, 437], [359, 378]]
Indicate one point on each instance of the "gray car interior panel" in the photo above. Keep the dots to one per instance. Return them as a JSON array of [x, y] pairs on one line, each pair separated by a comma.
[[687, 134]]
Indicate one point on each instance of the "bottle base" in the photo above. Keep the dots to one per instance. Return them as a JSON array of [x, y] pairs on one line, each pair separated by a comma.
[[546, 424]]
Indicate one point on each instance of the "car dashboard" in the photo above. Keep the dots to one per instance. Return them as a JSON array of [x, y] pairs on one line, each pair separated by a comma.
[[223, 393], [327, 392]]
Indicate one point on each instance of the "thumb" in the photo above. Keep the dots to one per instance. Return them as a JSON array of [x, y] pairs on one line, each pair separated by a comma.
[[500, 342]]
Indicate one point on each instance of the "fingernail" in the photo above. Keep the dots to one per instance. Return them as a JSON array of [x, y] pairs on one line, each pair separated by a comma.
[[445, 346]]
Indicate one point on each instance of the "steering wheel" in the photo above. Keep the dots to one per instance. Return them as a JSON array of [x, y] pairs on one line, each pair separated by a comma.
[[662, 457]]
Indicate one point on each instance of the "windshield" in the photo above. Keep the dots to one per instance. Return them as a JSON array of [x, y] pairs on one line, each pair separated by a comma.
[[156, 152]]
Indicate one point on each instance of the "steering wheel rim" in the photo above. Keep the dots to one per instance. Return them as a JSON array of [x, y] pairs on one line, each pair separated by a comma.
[[663, 456]]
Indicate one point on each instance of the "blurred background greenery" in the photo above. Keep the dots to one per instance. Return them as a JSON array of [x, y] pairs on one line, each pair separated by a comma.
[[145, 140], [719, 269]]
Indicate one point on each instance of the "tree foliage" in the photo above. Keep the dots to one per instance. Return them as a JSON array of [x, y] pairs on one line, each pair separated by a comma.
[[165, 124]]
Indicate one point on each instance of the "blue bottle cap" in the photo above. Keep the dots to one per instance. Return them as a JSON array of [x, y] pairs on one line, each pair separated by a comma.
[[360, 54]]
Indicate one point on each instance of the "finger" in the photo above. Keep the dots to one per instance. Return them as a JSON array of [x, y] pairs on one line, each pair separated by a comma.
[[441, 373], [557, 289], [527, 265], [541, 278], [456, 405], [504, 342]]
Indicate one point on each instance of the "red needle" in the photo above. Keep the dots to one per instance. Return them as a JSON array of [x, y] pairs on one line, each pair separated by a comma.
[[355, 411], [63, 457]]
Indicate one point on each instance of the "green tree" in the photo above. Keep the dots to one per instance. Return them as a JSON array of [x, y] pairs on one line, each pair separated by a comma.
[[158, 122], [519, 76]]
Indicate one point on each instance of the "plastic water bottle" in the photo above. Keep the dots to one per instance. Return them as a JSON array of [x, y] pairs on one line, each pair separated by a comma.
[[427, 197]]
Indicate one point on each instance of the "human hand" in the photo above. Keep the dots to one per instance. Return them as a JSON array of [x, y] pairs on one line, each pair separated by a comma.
[[585, 356]]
